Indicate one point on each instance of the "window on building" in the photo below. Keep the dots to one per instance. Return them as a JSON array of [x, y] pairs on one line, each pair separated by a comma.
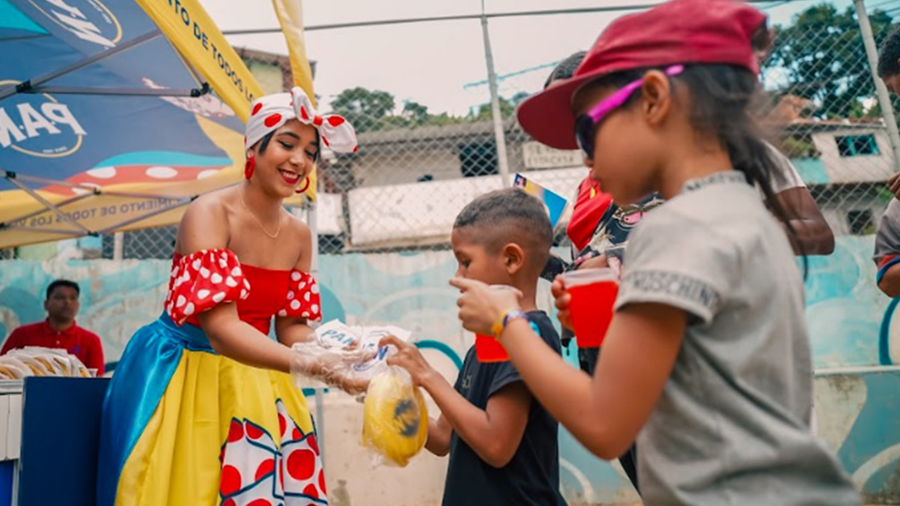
[[861, 222], [478, 159], [856, 145]]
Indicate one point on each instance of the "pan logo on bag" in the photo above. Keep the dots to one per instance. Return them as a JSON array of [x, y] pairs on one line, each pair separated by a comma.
[[39, 125], [89, 20]]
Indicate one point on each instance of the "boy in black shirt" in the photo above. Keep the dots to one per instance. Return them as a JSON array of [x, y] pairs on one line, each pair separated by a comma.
[[503, 444]]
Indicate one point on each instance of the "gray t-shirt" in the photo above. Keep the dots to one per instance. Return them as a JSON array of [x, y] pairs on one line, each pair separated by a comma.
[[786, 176], [732, 424]]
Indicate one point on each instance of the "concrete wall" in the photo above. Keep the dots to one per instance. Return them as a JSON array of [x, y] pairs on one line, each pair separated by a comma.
[[852, 169], [836, 213], [405, 165], [857, 409], [858, 413], [405, 162], [269, 76], [405, 213]]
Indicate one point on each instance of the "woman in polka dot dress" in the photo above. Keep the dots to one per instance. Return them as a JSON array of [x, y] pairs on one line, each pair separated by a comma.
[[200, 410]]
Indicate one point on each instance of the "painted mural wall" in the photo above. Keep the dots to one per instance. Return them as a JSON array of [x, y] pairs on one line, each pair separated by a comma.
[[847, 318]]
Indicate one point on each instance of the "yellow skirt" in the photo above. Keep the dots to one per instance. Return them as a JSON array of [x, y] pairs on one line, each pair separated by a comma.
[[185, 426]]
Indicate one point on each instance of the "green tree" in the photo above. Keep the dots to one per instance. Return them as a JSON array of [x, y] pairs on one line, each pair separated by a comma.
[[371, 110], [365, 109], [415, 113], [484, 112], [823, 58], [520, 97]]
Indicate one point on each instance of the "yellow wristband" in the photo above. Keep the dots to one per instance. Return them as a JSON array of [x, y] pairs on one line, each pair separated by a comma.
[[507, 316]]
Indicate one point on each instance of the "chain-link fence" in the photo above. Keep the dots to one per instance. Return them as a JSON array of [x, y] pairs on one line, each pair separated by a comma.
[[824, 110], [416, 168], [141, 244]]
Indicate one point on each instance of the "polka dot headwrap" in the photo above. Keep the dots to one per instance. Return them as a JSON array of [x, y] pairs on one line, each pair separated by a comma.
[[268, 113]]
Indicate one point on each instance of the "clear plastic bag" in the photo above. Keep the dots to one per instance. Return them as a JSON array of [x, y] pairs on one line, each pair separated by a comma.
[[341, 356], [40, 361], [11, 368], [395, 418], [313, 366]]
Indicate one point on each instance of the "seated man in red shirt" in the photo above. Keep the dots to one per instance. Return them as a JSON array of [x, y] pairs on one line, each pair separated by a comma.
[[59, 330]]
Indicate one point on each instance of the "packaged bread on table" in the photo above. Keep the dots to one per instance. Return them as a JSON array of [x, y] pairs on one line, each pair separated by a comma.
[[50, 362], [36, 368], [14, 368]]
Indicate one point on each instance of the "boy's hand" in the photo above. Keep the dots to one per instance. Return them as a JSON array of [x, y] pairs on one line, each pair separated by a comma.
[[894, 185], [409, 358], [592, 262], [600, 261], [481, 305], [563, 299]]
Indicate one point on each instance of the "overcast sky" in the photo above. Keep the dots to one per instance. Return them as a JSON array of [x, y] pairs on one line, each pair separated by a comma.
[[431, 63]]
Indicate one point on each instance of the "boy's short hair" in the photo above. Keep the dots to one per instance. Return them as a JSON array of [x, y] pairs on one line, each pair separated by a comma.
[[62, 282], [510, 216], [888, 55]]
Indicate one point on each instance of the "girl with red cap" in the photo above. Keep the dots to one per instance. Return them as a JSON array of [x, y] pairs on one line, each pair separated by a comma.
[[707, 361]]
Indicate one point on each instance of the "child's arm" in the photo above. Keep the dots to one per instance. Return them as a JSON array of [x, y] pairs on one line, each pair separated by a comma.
[[439, 432], [889, 280], [812, 235], [606, 413], [887, 247], [493, 433]]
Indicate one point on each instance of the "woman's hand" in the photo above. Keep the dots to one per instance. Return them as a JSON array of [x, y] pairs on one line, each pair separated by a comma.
[[563, 299], [353, 386], [334, 367], [481, 305], [409, 358]]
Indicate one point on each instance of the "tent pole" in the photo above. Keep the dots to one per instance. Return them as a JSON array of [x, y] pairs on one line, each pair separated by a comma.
[[73, 234], [144, 195], [46, 181], [144, 216], [132, 92], [41, 211], [24, 86], [48, 205]]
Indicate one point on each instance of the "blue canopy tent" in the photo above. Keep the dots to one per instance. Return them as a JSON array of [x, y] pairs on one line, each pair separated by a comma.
[[105, 125]]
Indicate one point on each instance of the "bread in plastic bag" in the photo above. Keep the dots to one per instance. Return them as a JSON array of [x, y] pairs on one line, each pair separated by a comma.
[[36, 368], [11, 368], [16, 368], [395, 419], [39, 361]]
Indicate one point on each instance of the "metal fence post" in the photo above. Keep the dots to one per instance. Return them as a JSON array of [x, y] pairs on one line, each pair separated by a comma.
[[884, 100], [118, 245], [499, 134], [312, 221]]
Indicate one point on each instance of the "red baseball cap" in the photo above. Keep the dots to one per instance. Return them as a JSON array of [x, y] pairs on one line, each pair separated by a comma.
[[680, 31]]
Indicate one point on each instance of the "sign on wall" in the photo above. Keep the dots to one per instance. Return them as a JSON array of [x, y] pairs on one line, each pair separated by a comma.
[[538, 156]]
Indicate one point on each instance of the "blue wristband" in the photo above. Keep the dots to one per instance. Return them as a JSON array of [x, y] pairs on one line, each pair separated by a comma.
[[509, 316]]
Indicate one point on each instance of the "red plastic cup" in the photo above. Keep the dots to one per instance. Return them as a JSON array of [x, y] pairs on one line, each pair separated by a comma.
[[488, 349], [593, 293]]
